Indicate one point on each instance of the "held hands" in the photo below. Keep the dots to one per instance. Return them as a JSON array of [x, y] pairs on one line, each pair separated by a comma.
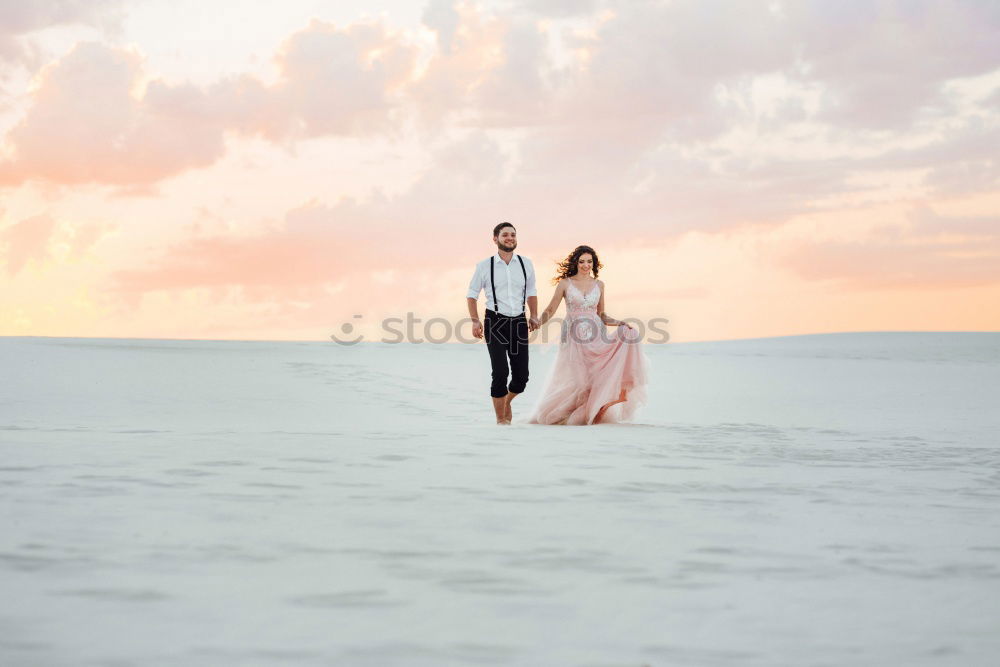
[[533, 323]]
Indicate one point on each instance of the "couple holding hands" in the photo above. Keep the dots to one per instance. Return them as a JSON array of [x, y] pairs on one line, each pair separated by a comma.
[[599, 375]]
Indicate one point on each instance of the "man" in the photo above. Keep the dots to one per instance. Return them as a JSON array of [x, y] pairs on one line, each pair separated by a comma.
[[509, 281]]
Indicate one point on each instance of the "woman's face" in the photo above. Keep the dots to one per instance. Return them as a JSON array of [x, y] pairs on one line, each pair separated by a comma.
[[585, 264]]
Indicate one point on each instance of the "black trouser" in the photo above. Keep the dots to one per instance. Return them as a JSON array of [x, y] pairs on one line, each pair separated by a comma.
[[507, 337]]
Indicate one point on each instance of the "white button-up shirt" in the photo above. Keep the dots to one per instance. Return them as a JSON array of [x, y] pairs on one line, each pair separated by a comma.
[[509, 283]]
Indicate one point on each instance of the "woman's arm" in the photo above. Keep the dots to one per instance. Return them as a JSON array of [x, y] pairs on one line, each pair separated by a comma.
[[550, 310], [607, 319]]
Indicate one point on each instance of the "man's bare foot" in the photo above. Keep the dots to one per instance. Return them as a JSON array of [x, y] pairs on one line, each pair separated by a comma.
[[499, 407], [508, 414]]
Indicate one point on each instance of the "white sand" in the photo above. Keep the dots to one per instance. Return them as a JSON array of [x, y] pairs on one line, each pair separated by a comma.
[[819, 500]]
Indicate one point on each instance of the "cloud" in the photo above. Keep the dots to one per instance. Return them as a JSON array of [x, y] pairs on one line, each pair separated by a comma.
[[87, 124], [442, 17], [448, 213], [517, 91], [963, 161], [318, 245], [92, 121], [883, 63], [642, 80], [928, 251], [343, 80], [557, 8], [660, 63], [877, 65], [556, 190], [636, 129], [26, 240], [19, 19], [41, 238], [925, 223], [469, 48], [633, 137]]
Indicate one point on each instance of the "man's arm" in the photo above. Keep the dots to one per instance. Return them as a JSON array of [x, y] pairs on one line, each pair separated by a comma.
[[477, 325], [533, 307], [532, 293], [472, 299]]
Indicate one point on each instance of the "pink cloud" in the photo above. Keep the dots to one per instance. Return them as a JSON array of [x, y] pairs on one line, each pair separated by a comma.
[[85, 236], [563, 194], [651, 76], [33, 238], [89, 123], [20, 19], [318, 245], [931, 251], [25, 240], [468, 50], [617, 142], [342, 80]]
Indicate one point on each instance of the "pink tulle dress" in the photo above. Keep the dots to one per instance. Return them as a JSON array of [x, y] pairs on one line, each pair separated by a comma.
[[600, 373]]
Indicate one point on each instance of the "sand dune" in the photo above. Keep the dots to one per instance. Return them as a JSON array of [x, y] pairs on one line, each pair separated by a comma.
[[813, 500]]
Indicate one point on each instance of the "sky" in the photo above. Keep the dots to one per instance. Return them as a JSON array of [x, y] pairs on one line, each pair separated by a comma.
[[276, 170]]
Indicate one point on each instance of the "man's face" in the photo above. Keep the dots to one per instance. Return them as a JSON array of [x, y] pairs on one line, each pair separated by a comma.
[[507, 239]]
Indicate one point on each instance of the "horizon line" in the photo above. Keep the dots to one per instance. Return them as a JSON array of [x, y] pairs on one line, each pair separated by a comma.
[[369, 342]]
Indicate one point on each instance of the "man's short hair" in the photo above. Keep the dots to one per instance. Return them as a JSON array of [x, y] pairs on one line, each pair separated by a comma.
[[498, 228]]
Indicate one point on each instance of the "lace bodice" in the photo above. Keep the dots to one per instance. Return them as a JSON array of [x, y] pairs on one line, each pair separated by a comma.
[[578, 302]]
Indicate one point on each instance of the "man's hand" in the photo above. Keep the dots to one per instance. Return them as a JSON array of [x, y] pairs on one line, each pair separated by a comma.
[[533, 323], [477, 328]]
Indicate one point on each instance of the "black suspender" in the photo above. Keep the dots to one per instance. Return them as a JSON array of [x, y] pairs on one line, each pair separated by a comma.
[[524, 297], [493, 284], [524, 272]]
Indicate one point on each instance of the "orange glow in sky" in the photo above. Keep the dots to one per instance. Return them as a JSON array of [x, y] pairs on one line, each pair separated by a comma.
[[266, 171]]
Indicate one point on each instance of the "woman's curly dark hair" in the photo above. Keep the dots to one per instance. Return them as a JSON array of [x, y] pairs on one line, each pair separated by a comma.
[[567, 267]]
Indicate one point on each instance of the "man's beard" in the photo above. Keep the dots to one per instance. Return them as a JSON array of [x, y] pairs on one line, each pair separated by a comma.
[[502, 246]]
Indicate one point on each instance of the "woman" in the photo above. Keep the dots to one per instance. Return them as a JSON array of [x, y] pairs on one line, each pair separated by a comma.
[[598, 376]]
